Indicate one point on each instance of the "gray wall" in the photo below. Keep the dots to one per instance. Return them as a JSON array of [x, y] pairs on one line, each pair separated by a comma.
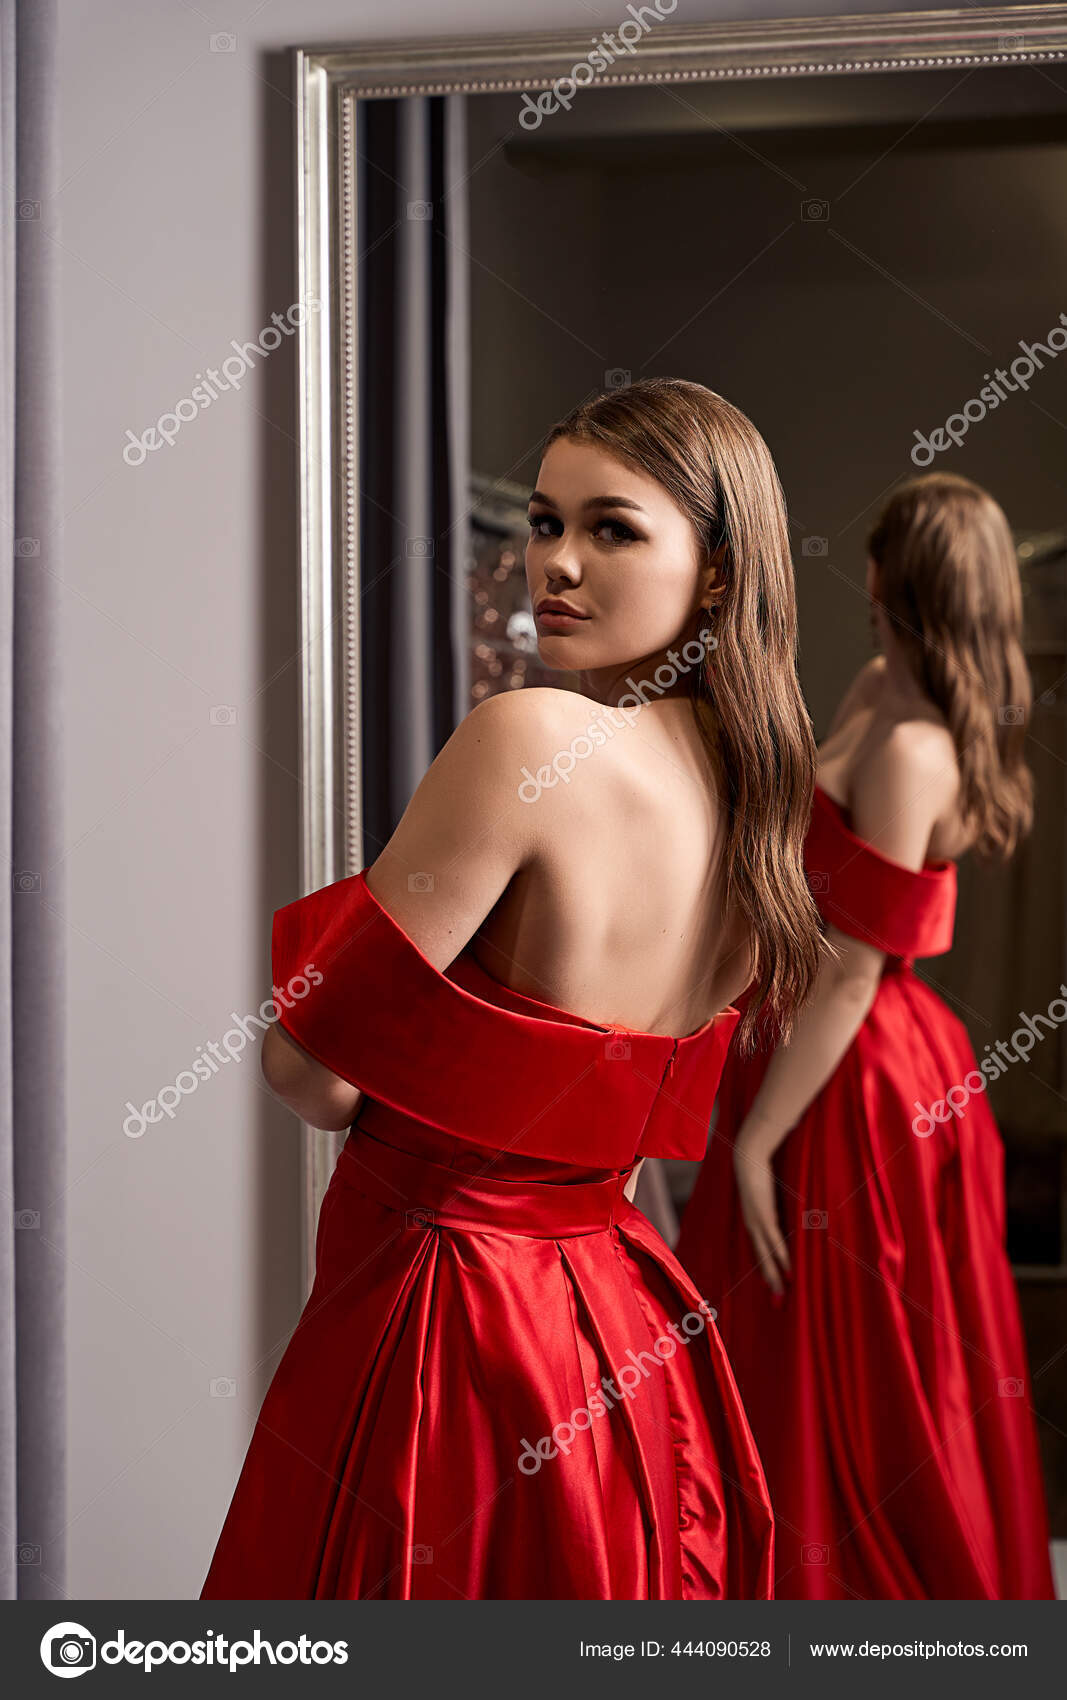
[[180, 579]]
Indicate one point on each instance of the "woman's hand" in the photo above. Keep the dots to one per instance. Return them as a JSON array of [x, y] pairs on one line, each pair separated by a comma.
[[755, 1183]]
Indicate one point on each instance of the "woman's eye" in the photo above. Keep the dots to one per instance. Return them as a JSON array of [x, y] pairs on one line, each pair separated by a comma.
[[626, 535], [548, 525]]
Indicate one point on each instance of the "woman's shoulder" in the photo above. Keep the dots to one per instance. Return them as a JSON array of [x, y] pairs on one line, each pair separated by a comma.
[[907, 739], [515, 714], [536, 730], [917, 751], [505, 726], [532, 706], [467, 812], [906, 781]]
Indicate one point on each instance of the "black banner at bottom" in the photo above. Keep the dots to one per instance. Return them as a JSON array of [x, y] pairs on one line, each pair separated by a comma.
[[330, 1646]]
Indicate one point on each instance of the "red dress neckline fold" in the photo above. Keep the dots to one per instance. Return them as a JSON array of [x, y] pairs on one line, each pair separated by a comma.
[[582, 1091]]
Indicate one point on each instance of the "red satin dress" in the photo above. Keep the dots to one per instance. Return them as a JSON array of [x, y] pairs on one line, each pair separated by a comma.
[[503, 1385], [888, 1392]]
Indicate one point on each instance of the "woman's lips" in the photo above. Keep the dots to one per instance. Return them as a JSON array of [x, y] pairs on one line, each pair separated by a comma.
[[555, 620]]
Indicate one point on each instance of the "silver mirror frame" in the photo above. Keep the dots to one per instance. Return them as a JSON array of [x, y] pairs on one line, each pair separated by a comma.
[[328, 83]]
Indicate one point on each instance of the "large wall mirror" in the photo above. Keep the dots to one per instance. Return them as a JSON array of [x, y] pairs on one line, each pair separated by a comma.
[[847, 227]]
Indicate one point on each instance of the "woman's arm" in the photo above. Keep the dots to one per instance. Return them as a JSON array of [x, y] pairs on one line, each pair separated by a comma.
[[310, 1089], [895, 801], [844, 992], [631, 1185], [463, 835]]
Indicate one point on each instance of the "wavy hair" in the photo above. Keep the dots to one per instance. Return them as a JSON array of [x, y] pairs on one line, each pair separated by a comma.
[[711, 459], [947, 577]]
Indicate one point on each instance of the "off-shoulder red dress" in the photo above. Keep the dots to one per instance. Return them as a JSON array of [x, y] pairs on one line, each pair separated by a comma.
[[503, 1385], [889, 1392]]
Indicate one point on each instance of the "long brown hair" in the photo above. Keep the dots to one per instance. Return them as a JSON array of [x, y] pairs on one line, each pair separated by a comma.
[[948, 579], [711, 459]]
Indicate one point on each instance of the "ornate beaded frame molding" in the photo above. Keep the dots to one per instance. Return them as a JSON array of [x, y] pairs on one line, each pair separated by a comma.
[[328, 83]]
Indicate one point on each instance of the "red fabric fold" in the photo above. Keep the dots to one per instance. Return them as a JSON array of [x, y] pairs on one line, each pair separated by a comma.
[[906, 912], [499, 1068]]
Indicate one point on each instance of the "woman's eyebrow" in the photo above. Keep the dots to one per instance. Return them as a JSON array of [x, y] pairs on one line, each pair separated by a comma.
[[593, 502]]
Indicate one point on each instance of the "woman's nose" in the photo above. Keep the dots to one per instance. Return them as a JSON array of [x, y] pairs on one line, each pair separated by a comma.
[[562, 563]]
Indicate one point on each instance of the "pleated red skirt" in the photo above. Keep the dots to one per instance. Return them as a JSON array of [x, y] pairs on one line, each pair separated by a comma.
[[503, 1386]]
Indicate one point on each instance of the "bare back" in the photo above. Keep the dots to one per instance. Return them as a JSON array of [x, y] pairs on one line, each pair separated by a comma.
[[616, 916], [869, 713]]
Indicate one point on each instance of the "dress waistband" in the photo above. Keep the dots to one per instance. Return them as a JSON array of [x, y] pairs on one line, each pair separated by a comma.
[[429, 1195]]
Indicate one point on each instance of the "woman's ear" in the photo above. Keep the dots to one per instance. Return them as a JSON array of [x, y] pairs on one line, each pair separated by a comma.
[[714, 581]]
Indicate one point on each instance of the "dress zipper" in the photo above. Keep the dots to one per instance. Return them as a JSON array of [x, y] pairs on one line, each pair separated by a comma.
[[670, 1063], [664, 1077]]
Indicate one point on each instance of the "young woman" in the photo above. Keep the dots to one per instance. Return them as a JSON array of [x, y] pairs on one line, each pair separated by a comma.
[[855, 1248], [503, 1385]]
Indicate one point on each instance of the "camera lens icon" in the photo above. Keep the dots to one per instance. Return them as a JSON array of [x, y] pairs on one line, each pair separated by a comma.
[[73, 1650], [68, 1649]]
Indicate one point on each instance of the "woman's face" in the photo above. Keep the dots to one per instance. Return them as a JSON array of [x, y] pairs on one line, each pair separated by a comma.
[[611, 543]]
